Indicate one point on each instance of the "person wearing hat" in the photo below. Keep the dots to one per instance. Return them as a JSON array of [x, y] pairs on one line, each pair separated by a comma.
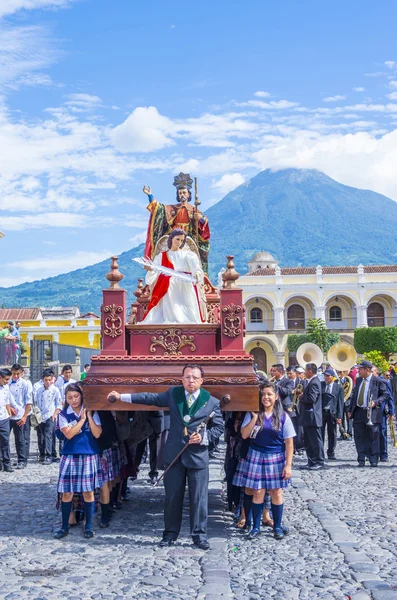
[[311, 419], [371, 392], [332, 399]]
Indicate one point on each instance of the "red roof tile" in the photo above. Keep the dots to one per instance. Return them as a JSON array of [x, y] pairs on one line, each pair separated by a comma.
[[326, 270], [19, 314]]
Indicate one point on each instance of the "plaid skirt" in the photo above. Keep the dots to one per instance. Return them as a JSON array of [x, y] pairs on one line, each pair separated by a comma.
[[80, 473], [116, 460], [261, 471], [107, 465]]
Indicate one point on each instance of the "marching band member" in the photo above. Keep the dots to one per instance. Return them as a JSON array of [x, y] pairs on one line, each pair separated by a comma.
[[369, 394], [346, 422], [387, 414], [312, 419], [332, 402]]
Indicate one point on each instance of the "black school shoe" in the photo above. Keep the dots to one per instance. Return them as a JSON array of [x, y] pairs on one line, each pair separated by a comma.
[[166, 542], [202, 544], [61, 533], [88, 534]]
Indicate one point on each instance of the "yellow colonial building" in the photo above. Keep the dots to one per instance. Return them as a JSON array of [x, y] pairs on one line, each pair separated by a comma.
[[61, 324], [280, 301]]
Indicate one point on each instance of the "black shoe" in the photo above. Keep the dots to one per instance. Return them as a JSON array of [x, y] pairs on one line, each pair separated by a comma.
[[300, 452], [384, 460], [361, 463], [56, 460], [41, 459], [21, 466], [61, 533], [202, 544], [246, 528], [304, 467], [166, 542], [104, 524], [48, 461], [374, 464], [118, 505], [255, 532], [8, 469], [88, 534], [153, 479], [1, 466], [331, 457], [279, 534]]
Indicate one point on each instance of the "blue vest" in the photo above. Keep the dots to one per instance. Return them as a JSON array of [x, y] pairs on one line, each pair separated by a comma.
[[83, 442], [268, 440]]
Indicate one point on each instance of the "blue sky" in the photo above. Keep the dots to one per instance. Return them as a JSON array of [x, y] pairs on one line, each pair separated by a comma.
[[98, 98]]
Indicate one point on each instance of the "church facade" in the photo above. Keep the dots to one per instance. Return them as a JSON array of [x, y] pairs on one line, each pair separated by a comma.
[[279, 301]]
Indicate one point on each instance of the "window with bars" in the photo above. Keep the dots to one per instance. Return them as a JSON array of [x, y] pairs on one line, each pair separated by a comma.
[[256, 315], [296, 317], [376, 315]]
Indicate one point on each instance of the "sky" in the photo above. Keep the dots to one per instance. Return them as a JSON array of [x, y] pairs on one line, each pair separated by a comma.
[[98, 98]]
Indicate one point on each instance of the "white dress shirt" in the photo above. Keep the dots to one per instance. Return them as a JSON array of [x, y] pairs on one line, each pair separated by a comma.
[[5, 398], [48, 401], [21, 393], [365, 403], [61, 384]]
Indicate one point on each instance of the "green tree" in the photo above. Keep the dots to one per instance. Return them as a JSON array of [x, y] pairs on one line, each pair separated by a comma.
[[382, 339], [378, 360], [316, 333]]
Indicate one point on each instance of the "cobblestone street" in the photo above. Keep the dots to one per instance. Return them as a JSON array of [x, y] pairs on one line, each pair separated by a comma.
[[342, 542]]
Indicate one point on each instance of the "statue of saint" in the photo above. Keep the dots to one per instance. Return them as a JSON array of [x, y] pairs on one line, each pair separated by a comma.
[[174, 300], [166, 217]]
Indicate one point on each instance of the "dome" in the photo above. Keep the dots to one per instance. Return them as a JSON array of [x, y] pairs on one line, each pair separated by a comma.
[[262, 260], [264, 257]]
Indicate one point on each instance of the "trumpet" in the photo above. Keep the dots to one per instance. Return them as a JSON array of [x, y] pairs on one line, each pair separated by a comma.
[[369, 412], [393, 433]]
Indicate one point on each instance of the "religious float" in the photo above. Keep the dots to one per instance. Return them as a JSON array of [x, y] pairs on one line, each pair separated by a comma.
[[178, 316]]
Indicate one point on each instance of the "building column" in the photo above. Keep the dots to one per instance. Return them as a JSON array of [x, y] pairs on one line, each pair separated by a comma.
[[279, 322], [280, 356], [362, 319], [319, 312]]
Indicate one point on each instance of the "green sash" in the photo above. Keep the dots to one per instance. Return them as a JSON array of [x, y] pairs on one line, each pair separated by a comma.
[[180, 398]]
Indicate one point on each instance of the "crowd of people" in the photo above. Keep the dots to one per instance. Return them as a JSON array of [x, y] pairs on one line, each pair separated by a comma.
[[300, 411]]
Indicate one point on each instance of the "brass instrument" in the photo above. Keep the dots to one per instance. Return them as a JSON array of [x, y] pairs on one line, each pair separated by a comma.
[[295, 397], [343, 432], [309, 353], [369, 412], [347, 388], [393, 432], [342, 356], [272, 379]]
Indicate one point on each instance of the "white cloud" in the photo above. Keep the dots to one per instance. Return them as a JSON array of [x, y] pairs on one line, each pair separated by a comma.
[[262, 94], [228, 182], [83, 101], [8, 7], [138, 238], [359, 89], [273, 104], [334, 98], [145, 130], [392, 96], [50, 265], [391, 64], [46, 220], [393, 84]]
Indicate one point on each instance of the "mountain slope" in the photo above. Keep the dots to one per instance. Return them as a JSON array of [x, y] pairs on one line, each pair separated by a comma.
[[302, 217]]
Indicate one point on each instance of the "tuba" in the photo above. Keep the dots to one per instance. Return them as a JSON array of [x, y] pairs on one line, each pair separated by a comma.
[[342, 356], [309, 353], [347, 388]]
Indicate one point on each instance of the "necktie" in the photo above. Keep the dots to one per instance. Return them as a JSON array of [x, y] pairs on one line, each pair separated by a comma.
[[360, 401], [190, 400]]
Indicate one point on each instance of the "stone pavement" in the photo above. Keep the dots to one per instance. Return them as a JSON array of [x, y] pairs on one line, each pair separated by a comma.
[[342, 542]]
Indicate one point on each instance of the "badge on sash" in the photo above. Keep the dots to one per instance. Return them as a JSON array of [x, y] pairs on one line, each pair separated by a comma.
[[187, 418]]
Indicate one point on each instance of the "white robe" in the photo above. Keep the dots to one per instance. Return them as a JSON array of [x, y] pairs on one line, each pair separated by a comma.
[[179, 304]]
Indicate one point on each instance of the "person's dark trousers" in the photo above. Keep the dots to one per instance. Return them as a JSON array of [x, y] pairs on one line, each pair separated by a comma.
[[5, 442], [298, 439], [154, 443], [161, 446], [27, 427], [45, 438], [174, 484], [329, 424], [383, 438], [233, 492], [366, 439], [347, 423], [314, 445], [20, 441]]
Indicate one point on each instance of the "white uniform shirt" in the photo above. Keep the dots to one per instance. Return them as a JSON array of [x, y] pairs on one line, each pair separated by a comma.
[[63, 422], [48, 400], [21, 392], [5, 398], [61, 384]]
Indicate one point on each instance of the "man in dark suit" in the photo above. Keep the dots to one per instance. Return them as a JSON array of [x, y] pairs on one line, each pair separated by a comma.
[[299, 445], [311, 419], [369, 390], [189, 405], [333, 402], [284, 386]]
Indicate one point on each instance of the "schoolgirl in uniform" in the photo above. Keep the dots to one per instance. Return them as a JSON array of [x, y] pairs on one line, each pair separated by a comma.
[[269, 459], [80, 467]]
